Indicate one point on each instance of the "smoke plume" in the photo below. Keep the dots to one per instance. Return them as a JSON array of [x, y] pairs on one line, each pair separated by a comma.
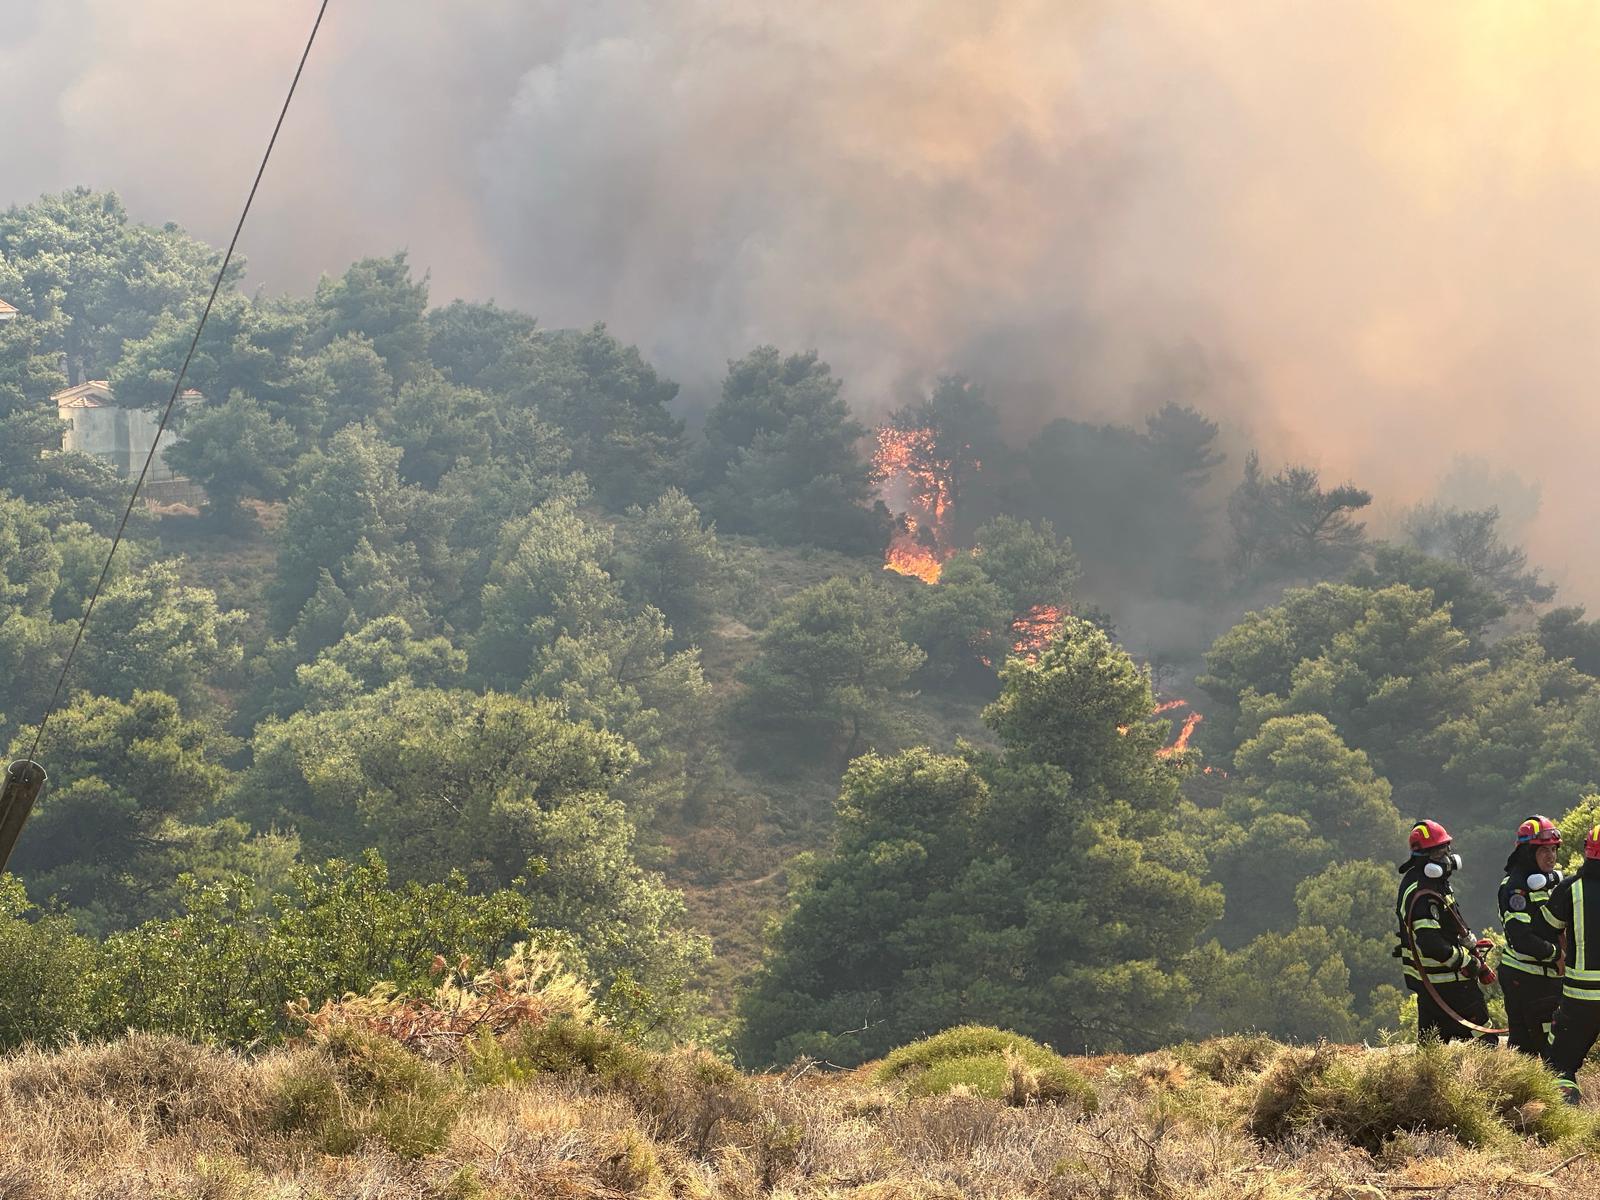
[[1354, 230]]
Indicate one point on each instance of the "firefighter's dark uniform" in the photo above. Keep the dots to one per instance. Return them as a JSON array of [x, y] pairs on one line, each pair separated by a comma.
[[1574, 909], [1445, 951], [1530, 963]]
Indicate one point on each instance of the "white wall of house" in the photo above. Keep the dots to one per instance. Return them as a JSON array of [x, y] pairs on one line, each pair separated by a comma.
[[118, 436]]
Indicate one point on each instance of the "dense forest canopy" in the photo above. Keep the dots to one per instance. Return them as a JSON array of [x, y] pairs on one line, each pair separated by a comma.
[[475, 640]]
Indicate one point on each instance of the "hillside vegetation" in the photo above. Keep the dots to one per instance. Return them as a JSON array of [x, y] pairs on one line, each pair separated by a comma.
[[803, 730]]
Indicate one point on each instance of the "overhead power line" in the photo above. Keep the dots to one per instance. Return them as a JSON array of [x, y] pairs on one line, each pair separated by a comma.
[[177, 386]]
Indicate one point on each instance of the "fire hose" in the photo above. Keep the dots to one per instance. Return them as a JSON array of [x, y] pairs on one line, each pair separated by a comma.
[[1483, 972]]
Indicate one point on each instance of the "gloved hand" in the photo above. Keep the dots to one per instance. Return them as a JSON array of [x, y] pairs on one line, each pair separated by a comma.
[[1482, 946]]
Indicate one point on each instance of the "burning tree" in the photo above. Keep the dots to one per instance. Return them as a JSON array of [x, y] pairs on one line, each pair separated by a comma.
[[926, 455], [915, 482]]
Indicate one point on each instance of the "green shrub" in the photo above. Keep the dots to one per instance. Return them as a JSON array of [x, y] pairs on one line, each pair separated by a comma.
[[353, 1087], [44, 969], [566, 1047], [224, 972], [1477, 1095], [987, 1062], [980, 1074]]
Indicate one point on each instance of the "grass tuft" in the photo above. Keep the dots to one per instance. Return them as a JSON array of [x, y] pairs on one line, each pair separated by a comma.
[[355, 1086], [1230, 1060], [982, 1061], [1481, 1097], [692, 1097]]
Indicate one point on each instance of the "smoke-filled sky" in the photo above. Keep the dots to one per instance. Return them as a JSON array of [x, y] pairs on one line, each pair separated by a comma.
[[1370, 223]]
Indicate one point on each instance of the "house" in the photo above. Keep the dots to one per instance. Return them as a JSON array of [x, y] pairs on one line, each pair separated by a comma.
[[118, 436], [8, 312]]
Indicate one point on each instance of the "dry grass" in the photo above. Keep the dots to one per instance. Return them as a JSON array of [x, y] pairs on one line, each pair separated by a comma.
[[152, 1117]]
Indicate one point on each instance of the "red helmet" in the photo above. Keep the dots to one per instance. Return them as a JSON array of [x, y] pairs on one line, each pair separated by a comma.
[[1538, 831], [1591, 844], [1428, 835]]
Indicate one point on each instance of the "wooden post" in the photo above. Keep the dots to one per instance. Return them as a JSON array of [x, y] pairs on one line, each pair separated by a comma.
[[23, 783]]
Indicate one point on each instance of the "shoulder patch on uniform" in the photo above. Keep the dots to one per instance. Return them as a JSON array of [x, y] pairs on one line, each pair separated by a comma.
[[1518, 902]]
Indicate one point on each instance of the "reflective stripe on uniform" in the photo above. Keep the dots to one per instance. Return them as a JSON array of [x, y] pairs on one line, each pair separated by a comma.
[[1528, 966], [1510, 956], [1579, 947], [1450, 970], [1582, 982]]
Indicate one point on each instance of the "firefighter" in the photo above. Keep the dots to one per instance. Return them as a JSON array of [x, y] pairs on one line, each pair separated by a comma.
[[1531, 962], [1442, 960], [1574, 909]]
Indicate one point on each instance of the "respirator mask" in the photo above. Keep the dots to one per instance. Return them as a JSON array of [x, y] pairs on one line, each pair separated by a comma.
[[1539, 880], [1439, 868]]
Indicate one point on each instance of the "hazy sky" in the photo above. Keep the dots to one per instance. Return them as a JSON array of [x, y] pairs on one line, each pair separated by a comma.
[[1361, 232]]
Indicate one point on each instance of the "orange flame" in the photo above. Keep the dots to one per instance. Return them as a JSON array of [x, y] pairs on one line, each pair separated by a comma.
[[909, 557], [1033, 632], [1181, 743], [1186, 731], [1035, 629], [911, 455], [915, 481]]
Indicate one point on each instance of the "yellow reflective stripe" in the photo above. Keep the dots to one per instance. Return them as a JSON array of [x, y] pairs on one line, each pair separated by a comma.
[[1450, 970], [1459, 957], [1528, 967], [1554, 920], [1578, 956], [1521, 916], [1584, 976], [1508, 955]]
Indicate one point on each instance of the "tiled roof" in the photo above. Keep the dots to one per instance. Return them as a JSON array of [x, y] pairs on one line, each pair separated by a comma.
[[93, 394]]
